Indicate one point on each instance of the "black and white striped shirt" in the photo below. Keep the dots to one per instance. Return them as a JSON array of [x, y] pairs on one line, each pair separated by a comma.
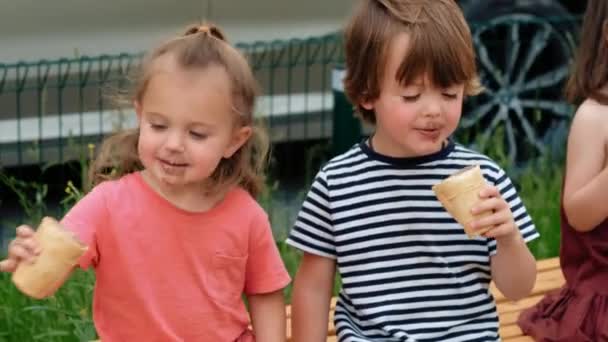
[[409, 272]]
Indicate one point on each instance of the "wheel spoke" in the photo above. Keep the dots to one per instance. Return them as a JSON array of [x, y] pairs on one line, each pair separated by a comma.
[[546, 80], [503, 114], [559, 108], [484, 57], [511, 140], [476, 115], [514, 51], [525, 124], [538, 43]]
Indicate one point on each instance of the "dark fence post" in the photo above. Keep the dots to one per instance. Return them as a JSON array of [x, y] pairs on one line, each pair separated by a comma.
[[346, 128]]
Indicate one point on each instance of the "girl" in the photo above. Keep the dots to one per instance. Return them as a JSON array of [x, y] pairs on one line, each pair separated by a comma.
[[173, 231], [579, 311], [408, 270]]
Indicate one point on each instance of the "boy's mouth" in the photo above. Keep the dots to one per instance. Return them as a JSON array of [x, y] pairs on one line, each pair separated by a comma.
[[432, 133]]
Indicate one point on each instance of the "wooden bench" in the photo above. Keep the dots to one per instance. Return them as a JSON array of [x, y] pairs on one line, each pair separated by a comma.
[[549, 277]]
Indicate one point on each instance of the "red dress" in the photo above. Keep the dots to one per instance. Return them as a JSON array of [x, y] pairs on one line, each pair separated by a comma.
[[579, 311]]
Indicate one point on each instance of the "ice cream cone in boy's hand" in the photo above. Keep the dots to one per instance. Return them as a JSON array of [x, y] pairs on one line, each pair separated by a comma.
[[60, 253], [459, 193]]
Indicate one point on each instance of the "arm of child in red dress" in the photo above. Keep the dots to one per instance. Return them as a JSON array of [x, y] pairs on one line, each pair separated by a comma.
[[585, 190], [268, 316], [513, 266], [312, 291]]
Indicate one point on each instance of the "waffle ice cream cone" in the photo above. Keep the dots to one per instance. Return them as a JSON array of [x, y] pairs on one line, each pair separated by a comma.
[[459, 193], [60, 253]]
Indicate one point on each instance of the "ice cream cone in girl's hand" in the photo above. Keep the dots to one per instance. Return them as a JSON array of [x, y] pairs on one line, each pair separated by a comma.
[[60, 253], [459, 193]]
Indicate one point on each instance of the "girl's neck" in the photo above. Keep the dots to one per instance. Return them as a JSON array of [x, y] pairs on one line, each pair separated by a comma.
[[190, 197]]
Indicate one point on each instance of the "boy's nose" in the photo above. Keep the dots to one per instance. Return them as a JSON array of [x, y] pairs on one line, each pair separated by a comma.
[[432, 109]]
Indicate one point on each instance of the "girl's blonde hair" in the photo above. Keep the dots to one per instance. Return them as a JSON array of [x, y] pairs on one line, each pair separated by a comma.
[[200, 47]]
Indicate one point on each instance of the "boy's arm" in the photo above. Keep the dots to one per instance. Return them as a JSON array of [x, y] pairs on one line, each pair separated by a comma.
[[268, 316], [311, 299], [513, 267]]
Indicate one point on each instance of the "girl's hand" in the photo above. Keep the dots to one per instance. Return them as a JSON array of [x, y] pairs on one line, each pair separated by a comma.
[[501, 220], [24, 248]]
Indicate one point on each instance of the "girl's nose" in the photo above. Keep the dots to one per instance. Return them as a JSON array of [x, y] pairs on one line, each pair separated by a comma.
[[175, 142]]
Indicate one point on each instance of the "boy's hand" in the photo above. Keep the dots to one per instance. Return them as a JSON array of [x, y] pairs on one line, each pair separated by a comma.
[[23, 248], [501, 220]]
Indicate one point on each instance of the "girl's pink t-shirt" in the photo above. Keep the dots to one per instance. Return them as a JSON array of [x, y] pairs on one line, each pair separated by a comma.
[[166, 274]]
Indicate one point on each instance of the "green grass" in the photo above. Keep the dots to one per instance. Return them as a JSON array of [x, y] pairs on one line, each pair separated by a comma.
[[540, 189], [66, 316]]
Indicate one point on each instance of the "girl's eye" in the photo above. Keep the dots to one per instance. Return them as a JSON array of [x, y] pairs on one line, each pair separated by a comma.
[[410, 98], [198, 136], [157, 127], [450, 96]]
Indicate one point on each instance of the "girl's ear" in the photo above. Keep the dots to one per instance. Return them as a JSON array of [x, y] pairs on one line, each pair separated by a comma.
[[239, 137]]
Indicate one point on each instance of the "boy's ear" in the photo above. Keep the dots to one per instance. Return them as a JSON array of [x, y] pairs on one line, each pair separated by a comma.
[[366, 102], [240, 136], [137, 107], [367, 105]]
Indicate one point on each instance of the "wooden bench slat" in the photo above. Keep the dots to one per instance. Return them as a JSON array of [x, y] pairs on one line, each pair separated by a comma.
[[545, 281], [511, 330], [545, 264], [518, 339]]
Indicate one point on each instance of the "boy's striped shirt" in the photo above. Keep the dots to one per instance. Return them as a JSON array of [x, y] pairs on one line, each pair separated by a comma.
[[408, 270]]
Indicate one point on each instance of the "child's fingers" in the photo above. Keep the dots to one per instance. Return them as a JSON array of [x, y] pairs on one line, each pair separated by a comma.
[[488, 204], [489, 191], [493, 220], [25, 232], [17, 250], [8, 265]]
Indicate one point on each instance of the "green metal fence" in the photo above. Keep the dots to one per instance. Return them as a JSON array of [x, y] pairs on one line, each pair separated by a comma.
[[50, 110]]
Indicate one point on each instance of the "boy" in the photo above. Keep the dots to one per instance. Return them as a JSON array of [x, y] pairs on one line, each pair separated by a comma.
[[408, 270]]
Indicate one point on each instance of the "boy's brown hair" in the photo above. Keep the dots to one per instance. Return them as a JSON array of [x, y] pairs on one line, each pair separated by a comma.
[[440, 47], [198, 48], [590, 70]]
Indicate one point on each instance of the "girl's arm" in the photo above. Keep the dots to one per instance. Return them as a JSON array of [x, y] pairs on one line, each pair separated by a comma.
[[586, 183], [312, 293], [268, 316]]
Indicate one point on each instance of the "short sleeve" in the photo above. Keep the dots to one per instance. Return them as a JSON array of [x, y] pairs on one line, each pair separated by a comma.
[[522, 220], [313, 230], [265, 271], [85, 219]]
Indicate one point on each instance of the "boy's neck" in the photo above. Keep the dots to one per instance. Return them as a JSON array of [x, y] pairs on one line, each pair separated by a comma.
[[370, 143]]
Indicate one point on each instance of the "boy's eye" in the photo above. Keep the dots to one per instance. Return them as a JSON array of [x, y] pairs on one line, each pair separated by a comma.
[[451, 96], [410, 98], [197, 135]]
